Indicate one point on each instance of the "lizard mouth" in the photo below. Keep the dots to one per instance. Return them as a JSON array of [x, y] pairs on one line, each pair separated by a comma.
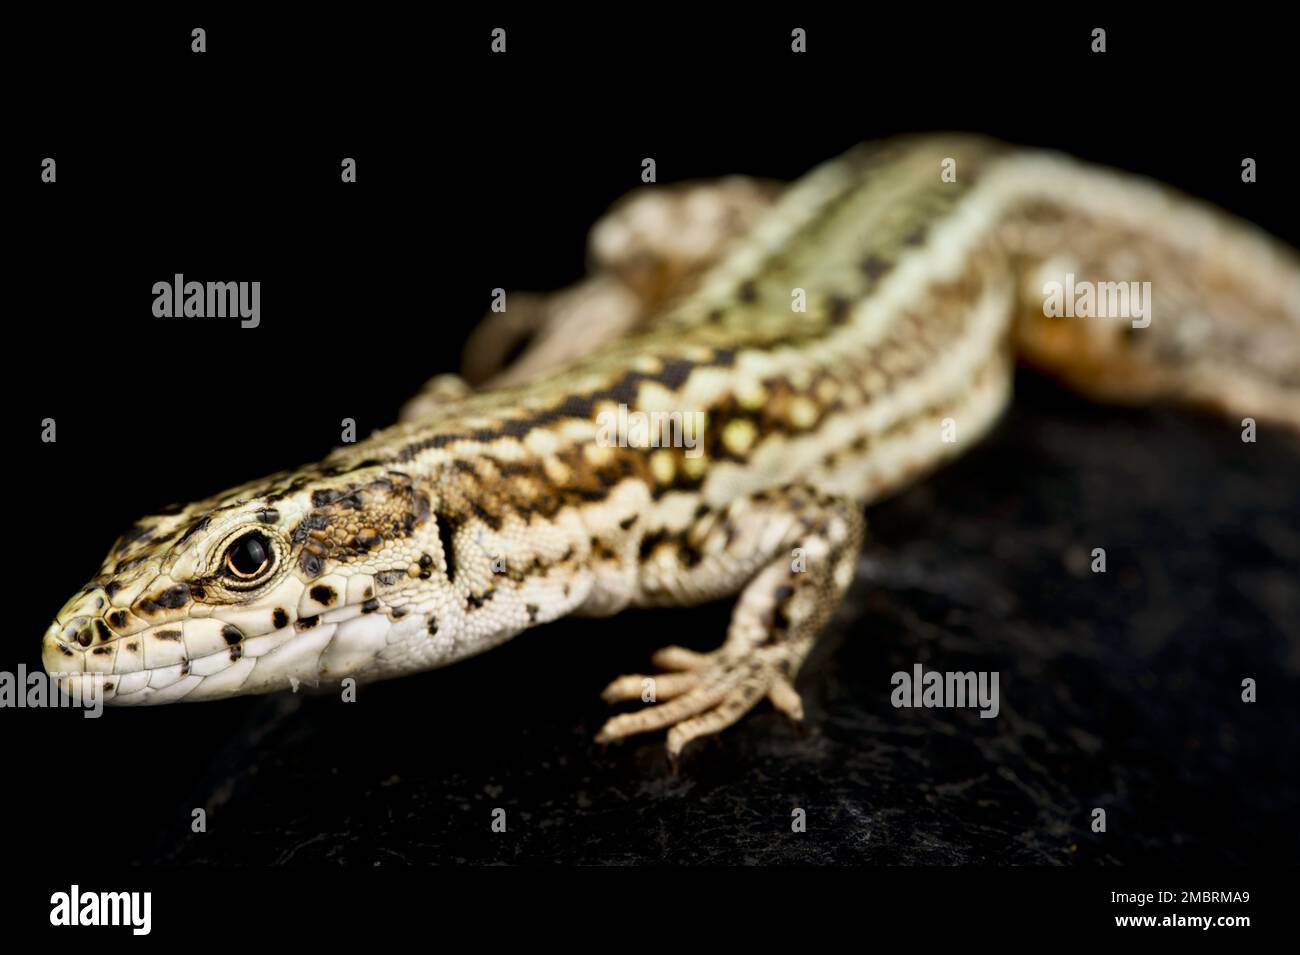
[[208, 658], [162, 664]]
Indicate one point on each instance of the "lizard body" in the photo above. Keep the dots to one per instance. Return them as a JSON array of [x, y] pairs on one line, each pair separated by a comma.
[[836, 339]]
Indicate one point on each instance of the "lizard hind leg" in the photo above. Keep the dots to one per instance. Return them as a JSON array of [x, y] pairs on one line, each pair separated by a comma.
[[439, 394], [1152, 298], [777, 618], [649, 249]]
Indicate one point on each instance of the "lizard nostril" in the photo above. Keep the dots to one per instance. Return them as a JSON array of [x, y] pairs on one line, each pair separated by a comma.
[[59, 652], [78, 629]]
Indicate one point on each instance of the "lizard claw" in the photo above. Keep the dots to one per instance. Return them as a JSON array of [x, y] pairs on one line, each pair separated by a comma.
[[717, 691]]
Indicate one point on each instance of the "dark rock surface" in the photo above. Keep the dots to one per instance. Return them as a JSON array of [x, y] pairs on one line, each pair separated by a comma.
[[1118, 690]]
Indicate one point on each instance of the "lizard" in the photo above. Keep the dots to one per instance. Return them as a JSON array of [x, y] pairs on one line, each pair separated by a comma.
[[838, 338]]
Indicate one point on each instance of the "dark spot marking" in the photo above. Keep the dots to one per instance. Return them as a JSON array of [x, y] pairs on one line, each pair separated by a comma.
[[197, 592], [837, 307], [873, 266], [100, 651], [487, 517], [279, 619], [426, 560], [675, 372], [748, 292], [433, 625], [173, 598], [310, 564], [268, 515], [399, 612], [231, 634], [168, 635], [323, 595], [532, 612], [370, 606], [111, 588], [387, 578], [236, 653], [652, 541], [101, 628], [306, 623], [117, 619], [627, 522], [134, 647]]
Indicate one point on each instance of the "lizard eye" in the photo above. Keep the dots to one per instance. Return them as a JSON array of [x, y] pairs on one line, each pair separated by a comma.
[[249, 556]]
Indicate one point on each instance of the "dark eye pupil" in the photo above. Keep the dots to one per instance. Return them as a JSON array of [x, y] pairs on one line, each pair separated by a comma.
[[248, 555]]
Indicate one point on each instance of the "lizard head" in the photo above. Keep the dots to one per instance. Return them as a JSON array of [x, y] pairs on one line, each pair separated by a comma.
[[304, 577]]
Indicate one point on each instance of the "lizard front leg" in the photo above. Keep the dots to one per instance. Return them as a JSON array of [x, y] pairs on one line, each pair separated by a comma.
[[792, 553]]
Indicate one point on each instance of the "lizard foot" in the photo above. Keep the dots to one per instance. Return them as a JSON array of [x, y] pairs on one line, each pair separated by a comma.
[[704, 693]]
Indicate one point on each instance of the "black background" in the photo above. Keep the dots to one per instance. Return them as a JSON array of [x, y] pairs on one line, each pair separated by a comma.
[[477, 171]]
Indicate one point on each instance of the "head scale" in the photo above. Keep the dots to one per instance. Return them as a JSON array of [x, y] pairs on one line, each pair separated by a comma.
[[296, 579]]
